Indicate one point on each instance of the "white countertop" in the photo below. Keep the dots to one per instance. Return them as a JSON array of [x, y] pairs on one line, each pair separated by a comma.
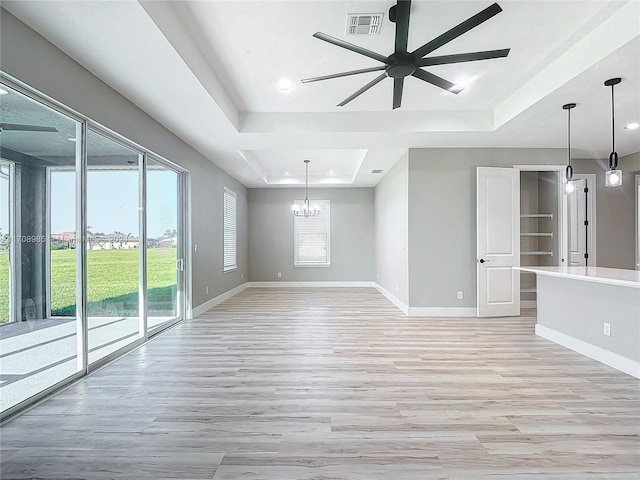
[[611, 276]]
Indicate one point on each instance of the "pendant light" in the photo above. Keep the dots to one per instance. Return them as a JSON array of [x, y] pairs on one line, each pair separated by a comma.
[[613, 177], [569, 184], [305, 210]]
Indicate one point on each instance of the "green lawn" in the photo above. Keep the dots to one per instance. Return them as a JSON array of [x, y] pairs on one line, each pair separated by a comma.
[[112, 281]]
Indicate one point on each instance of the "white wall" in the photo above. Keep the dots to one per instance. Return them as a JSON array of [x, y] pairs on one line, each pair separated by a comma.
[[392, 231]]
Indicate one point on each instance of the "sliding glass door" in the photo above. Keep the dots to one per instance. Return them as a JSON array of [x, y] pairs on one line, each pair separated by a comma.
[[165, 263], [39, 351], [91, 246], [113, 246]]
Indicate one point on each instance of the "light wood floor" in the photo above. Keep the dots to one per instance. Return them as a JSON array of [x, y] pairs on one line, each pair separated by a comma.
[[330, 384]]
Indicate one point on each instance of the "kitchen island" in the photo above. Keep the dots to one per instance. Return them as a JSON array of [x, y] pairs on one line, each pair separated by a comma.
[[594, 311]]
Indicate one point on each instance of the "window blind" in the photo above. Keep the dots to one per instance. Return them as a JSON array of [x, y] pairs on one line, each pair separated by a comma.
[[312, 237], [229, 228]]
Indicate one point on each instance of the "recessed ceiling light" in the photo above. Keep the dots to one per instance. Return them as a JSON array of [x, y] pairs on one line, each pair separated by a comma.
[[287, 173], [632, 126], [285, 85], [3, 91], [331, 172]]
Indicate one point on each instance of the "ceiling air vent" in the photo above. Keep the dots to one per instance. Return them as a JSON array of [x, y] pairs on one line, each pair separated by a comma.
[[376, 171], [364, 23]]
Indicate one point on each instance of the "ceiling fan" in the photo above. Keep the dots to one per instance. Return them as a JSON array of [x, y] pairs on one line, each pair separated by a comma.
[[25, 128], [402, 63]]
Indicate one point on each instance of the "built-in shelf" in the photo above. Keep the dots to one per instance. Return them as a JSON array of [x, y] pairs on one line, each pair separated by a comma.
[[537, 234], [536, 215], [528, 290], [548, 254]]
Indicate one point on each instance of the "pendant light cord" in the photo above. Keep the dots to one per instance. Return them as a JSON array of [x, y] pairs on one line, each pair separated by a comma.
[[613, 156], [613, 122], [569, 141], [568, 173]]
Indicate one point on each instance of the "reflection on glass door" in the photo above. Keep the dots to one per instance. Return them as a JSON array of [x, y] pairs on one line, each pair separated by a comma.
[[164, 246], [6, 303], [38, 350], [113, 246]]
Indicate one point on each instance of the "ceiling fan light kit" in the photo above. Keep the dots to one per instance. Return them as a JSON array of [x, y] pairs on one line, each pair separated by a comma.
[[402, 63]]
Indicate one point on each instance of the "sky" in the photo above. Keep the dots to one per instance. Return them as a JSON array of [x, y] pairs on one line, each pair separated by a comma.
[[112, 202]]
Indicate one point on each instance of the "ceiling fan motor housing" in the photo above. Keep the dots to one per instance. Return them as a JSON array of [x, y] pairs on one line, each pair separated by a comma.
[[400, 66]]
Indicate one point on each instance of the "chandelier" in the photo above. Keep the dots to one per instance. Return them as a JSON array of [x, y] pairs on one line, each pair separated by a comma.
[[305, 210]]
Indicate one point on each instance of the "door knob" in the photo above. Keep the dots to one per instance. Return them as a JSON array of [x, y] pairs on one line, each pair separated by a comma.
[[482, 260]]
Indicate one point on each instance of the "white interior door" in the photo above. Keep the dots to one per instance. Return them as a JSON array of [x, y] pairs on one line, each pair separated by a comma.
[[498, 241]]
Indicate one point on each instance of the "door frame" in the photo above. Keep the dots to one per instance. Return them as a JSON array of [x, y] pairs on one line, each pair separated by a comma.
[[14, 315], [637, 221], [562, 205]]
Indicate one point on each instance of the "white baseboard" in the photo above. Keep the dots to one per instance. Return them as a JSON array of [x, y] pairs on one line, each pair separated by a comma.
[[392, 298], [200, 309], [442, 311], [528, 304], [623, 364], [309, 284]]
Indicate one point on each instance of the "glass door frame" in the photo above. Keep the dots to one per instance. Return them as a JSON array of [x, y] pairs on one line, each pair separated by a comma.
[[14, 315], [183, 240], [80, 165], [83, 125]]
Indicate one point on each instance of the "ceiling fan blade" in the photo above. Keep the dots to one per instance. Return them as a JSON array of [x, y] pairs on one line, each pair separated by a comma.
[[344, 74], [373, 82], [462, 57], [403, 11], [458, 30], [26, 128], [350, 46], [437, 81], [398, 84]]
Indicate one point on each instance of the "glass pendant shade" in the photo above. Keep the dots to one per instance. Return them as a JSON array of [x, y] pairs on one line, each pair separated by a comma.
[[570, 187], [613, 178]]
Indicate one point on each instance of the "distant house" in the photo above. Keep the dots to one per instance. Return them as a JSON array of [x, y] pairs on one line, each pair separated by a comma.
[[113, 241], [64, 239]]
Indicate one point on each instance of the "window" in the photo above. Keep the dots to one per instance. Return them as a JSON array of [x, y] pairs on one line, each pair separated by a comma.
[[229, 220], [312, 237]]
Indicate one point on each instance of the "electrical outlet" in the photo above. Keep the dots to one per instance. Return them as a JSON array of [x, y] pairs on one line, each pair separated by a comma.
[[607, 329], [206, 289], [241, 276], [377, 276], [279, 274], [195, 247], [460, 294], [396, 287]]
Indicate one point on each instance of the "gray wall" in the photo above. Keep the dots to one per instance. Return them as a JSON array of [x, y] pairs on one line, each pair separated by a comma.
[[392, 230], [31, 59], [442, 218], [578, 308], [271, 235], [615, 212]]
